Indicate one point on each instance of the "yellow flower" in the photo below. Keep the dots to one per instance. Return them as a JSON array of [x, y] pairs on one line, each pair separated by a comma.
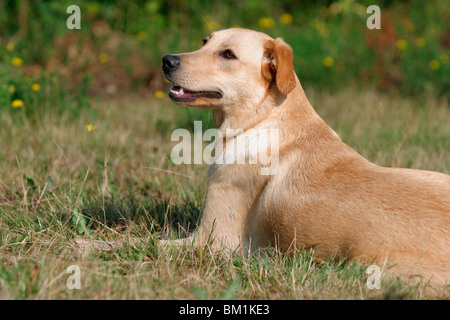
[[321, 28], [420, 42], [444, 58], [103, 57], [89, 127], [328, 62], [12, 88], [401, 44], [17, 61], [36, 87], [286, 18], [17, 103], [213, 25], [159, 94], [266, 23], [210, 24], [10, 47], [434, 64], [141, 36]]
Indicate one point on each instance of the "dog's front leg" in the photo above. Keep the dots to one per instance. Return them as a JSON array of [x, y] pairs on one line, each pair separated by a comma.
[[222, 221]]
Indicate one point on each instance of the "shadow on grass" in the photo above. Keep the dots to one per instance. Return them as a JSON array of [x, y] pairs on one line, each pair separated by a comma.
[[156, 215]]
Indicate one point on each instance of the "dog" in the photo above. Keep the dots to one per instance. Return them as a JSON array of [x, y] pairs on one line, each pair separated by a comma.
[[323, 196]]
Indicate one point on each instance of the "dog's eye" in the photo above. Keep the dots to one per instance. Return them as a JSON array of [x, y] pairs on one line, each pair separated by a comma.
[[228, 54]]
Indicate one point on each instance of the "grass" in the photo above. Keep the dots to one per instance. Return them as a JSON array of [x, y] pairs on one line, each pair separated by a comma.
[[59, 181]]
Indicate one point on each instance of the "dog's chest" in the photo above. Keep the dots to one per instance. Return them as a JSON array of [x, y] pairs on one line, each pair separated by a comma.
[[258, 146]]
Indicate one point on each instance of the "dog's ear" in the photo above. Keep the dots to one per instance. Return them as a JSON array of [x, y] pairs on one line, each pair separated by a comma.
[[278, 65]]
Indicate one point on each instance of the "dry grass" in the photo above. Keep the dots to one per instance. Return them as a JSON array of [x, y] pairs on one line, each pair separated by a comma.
[[51, 168]]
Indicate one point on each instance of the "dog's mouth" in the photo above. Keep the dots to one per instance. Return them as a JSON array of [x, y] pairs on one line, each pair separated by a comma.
[[179, 94]]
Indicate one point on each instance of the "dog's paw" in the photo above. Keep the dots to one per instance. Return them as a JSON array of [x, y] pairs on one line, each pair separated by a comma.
[[86, 246]]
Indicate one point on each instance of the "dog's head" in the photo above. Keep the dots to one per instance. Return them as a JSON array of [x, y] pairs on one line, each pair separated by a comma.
[[234, 68]]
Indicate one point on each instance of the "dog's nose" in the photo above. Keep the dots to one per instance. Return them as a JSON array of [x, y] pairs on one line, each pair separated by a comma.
[[170, 62]]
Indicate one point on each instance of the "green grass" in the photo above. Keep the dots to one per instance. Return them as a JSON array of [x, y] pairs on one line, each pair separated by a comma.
[[58, 182]]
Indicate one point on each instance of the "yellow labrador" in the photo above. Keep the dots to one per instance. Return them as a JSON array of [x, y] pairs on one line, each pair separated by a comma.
[[323, 195]]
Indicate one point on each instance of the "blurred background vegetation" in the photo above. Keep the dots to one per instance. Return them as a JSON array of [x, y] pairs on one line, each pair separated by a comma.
[[120, 45]]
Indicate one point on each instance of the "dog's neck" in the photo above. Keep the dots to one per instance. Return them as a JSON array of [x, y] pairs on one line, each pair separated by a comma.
[[274, 105]]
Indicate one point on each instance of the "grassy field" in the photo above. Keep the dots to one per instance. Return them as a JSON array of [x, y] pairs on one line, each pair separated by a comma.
[[104, 173]]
